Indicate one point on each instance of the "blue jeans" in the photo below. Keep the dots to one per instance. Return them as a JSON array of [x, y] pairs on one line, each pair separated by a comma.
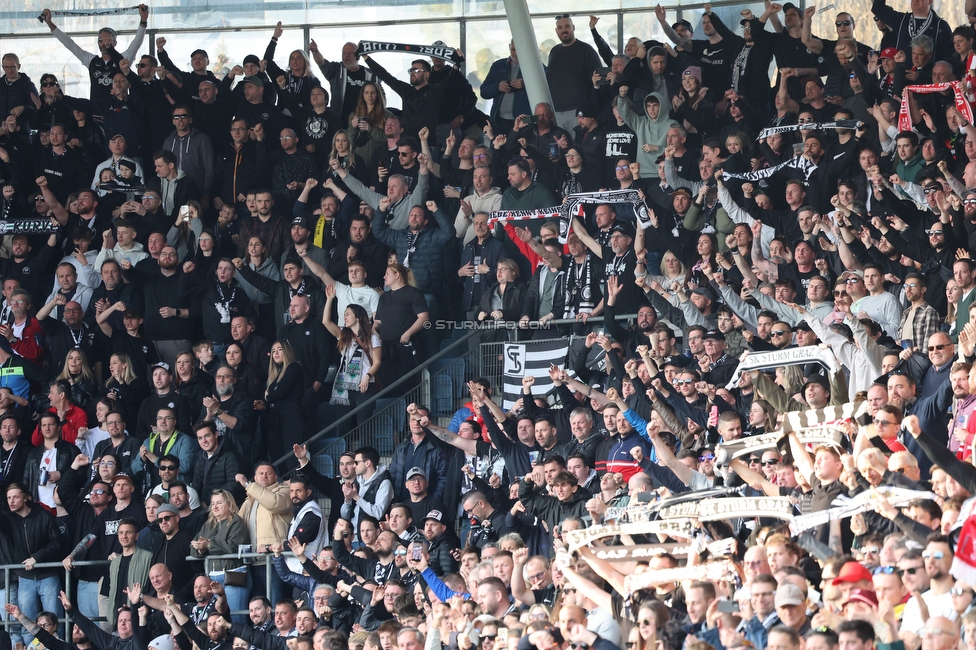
[[14, 630], [237, 597], [87, 599], [30, 591]]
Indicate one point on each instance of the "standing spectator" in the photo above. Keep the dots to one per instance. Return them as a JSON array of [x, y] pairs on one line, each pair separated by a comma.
[[283, 399], [570, 72], [223, 534], [215, 466], [418, 451], [101, 67], [48, 461], [32, 539], [192, 148], [401, 314], [346, 79], [506, 88]]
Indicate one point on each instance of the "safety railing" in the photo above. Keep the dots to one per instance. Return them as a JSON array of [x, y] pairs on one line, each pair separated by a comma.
[[441, 385], [9, 579]]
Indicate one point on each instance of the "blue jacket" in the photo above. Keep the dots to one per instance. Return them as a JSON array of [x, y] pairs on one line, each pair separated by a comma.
[[499, 72], [932, 411]]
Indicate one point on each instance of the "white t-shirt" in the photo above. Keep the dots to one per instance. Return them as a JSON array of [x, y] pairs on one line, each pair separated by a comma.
[[367, 358], [49, 462], [366, 297]]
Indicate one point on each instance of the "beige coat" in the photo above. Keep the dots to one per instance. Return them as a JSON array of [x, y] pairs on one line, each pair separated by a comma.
[[273, 513]]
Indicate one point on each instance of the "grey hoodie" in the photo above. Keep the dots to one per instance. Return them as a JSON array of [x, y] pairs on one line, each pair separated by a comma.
[[652, 131]]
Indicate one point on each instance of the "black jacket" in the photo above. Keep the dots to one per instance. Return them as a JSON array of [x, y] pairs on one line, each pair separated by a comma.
[[33, 536], [441, 561], [217, 472]]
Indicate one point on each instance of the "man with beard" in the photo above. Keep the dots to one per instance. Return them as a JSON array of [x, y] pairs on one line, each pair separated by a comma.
[[307, 523], [216, 638], [168, 545], [165, 396], [166, 313], [68, 289], [241, 168], [26, 269], [346, 79], [360, 245], [381, 570], [111, 291], [937, 559], [231, 412]]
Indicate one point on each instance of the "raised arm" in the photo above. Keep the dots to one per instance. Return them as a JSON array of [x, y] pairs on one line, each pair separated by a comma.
[[588, 241]]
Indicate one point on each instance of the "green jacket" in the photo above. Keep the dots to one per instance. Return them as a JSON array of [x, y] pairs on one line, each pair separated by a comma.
[[138, 573], [225, 537]]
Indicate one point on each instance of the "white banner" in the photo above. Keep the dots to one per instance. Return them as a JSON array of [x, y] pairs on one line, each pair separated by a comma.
[[787, 357]]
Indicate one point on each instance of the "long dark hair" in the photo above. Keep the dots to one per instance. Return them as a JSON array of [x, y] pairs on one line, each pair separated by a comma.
[[346, 335]]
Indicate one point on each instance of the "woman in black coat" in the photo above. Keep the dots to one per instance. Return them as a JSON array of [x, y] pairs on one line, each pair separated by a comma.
[[285, 419]]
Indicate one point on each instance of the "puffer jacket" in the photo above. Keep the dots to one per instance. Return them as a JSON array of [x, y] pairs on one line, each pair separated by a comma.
[[273, 513], [441, 561], [428, 458], [224, 466], [426, 260]]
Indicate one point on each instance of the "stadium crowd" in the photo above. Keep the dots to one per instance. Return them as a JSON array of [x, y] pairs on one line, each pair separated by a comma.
[[776, 453]]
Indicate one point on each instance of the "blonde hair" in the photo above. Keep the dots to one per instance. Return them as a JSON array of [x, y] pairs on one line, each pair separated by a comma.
[[276, 370], [231, 505], [86, 371], [127, 375]]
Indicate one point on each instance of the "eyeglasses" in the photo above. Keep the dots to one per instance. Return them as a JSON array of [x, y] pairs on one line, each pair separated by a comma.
[[165, 417], [939, 347], [882, 423], [539, 616], [959, 591], [936, 233], [182, 116], [99, 491], [49, 84], [621, 168], [107, 463], [706, 457], [538, 576], [843, 23], [287, 137], [838, 294], [113, 423], [168, 468], [937, 555]]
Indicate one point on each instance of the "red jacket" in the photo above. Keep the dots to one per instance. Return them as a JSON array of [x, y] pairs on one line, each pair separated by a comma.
[[31, 343], [74, 419]]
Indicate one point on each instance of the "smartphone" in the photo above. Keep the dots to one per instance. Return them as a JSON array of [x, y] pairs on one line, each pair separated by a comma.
[[185, 212], [532, 119], [728, 607], [603, 76], [501, 638], [416, 553], [905, 344]]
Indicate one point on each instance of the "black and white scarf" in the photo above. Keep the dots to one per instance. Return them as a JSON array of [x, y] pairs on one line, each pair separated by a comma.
[[92, 12], [817, 126], [436, 51], [579, 287], [804, 165]]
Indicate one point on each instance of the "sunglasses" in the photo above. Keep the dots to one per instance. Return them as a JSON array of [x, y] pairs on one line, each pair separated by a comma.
[[838, 294], [843, 23], [779, 332], [940, 347], [706, 457], [99, 491], [167, 468], [852, 280], [754, 460], [912, 570], [49, 84], [400, 552], [872, 550], [959, 591], [887, 570], [166, 518], [932, 190], [770, 463], [881, 423], [970, 201], [936, 233], [683, 382]]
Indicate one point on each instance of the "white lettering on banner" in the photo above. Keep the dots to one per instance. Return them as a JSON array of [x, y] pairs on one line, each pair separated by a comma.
[[827, 435]]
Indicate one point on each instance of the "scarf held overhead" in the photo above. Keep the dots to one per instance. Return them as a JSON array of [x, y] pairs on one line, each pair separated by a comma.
[[436, 51], [801, 163], [573, 207], [958, 91], [91, 12], [819, 126]]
